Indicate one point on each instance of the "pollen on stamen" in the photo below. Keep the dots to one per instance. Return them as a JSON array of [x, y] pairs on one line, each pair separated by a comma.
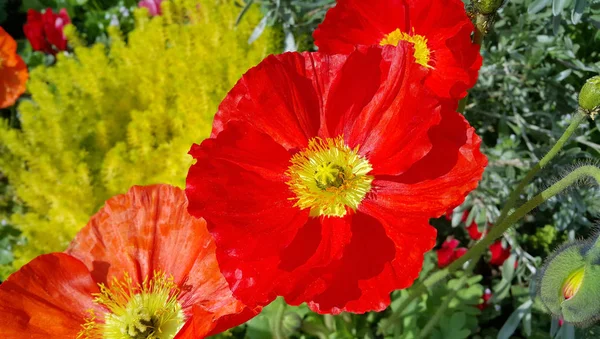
[[148, 310], [422, 52], [328, 177]]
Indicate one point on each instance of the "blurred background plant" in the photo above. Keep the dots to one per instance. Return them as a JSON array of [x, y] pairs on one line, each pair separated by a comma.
[[97, 120]]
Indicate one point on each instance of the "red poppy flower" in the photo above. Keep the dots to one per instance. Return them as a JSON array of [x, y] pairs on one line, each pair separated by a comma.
[[322, 173], [141, 265], [499, 253], [13, 71], [449, 252], [439, 30], [473, 231], [45, 31]]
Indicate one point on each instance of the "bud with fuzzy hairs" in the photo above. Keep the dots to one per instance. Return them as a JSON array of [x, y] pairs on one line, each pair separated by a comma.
[[589, 97], [569, 283], [487, 6]]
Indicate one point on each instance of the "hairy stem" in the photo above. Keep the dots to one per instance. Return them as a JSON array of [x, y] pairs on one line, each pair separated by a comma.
[[512, 199]]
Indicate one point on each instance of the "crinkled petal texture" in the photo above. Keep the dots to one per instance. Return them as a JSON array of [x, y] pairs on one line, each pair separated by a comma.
[[47, 298], [13, 71], [425, 158], [454, 59], [149, 230]]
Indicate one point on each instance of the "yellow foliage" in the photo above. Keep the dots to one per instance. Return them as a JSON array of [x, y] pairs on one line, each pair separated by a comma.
[[108, 118]]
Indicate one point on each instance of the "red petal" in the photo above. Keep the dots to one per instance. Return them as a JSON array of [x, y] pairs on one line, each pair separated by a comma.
[[238, 185], [381, 257], [499, 253], [204, 323], [48, 298], [149, 230], [442, 178], [279, 97], [13, 71], [359, 22], [378, 103], [474, 231], [455, 60]]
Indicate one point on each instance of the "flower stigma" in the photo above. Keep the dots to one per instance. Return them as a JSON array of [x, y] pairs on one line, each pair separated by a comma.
[[328, 176], [422, 53], [149, 310]]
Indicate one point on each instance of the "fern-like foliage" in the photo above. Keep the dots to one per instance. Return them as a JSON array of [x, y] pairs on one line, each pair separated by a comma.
[[105, 119]]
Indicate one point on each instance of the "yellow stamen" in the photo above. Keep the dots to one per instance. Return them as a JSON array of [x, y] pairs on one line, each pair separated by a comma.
[[422, 53], [328, 177], [149, 310]]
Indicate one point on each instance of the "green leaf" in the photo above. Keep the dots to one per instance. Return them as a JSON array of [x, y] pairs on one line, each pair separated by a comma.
[[558, 6], [515, 318], [578, 9], [537, 6]]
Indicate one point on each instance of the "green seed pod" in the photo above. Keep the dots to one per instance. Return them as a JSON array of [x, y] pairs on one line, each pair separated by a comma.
[[589, 97], [487, 6], [569, 284]]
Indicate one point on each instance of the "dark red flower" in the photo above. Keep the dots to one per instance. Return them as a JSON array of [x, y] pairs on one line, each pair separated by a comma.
[[322, 173], [142, 264], [449, 252], [473, 230], [487, 295], [439, 29], [13, 71], [45, 31], [499, 253]]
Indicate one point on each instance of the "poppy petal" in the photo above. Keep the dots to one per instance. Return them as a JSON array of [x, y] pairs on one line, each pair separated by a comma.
[[379, 259], [442, 178], [148, 230], [389, 101], [277, 97], [239, 183], [48, 298], [454, 61]]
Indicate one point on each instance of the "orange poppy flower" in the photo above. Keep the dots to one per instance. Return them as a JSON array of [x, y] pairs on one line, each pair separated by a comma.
[[13, 71], [142, 267]]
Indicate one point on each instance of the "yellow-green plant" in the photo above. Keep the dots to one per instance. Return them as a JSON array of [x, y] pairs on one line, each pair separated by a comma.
[[107, 118]]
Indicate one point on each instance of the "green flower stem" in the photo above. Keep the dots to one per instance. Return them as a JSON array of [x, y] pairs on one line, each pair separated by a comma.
[[512, 199], [440, 311], [278, 322], [476, 251]]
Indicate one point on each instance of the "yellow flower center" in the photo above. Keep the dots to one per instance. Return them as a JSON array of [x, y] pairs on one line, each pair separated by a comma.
[[573, 283], [328, 177], [422, 53], [136, 311]]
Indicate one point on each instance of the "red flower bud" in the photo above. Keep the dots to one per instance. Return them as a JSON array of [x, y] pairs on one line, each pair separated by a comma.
[[499, 253]]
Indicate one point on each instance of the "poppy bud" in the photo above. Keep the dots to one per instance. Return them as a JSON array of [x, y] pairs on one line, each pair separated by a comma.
[[589, 97], [569, 284], [487, 6], [291, 323]]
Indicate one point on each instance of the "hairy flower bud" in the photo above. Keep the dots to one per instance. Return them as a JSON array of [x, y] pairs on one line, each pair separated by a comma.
[[569, 285], [589, 97], [487, 6]]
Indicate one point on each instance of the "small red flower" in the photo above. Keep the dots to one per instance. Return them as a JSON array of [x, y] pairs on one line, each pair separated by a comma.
[[449, 252], [439, 30], [45, 31], [473, 231], [13, 71], [142, 265], [322, 173], [499, 253], [487, 295]]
